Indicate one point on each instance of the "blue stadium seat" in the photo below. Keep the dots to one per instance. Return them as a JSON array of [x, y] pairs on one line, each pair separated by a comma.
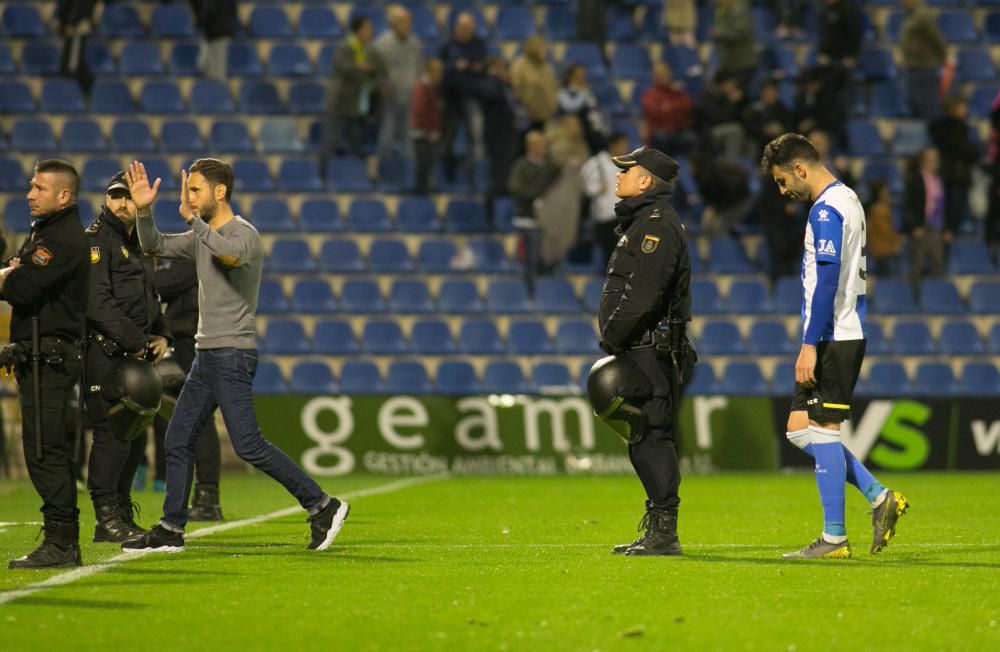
[[885, 379], [161, 97], [61, 96], [407, 377], [432, 337], [31, 135], [863, 139], [702, 380], [335, 337], [878, 343], [620, 23], [242, 60], [721, 338], [269, 22], [974, 65], [876, 64], [631, 62], [131, 136], [417, 215], [503, 377], [172, 20], [159, 168], [268, 379], [340, 257], [769, 338], [592, 295], [306, 98], [121, 20], [970, 257], [934, 379], [960, 338], [783, 378], [514, 23], [984, 297], [577, 337], [312, 377], [320, 216], [788, 295], [457, 377], [507, 296], [16, 97], [940, 297], [184, 59], [529, 338], [286, 337], [912, 338], [981, 99], [140, 58], [16, 218], [957, 26], [210, 96], [287, 60], [749, 297], [489, 256], [589, 56], [556, 295], [560, 22], [552, 378], [410, 296], [13, 178], [319, 22], [290, 256], [909, 137], [111, 97], [22, 21], [383, 337], [347, 174], [780, 61], [360, 377], [361, 295], [368, 216], [892, 296], [251, 175], [743, 379], [425, 23], [324, 63], [389, 257], [978, 379], [465, 216], [271, 298], [271, 215], [180, 136], [313, 296], [993, 339], [459, 297], [166, 217], [705, 297], [887, 100], [376, 14], [299, 175], [82, 135], [260, 98], [480, 337], [727, 256]]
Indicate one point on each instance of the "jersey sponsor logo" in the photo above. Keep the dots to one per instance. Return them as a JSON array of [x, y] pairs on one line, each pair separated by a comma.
[[824, 216], [826, 247], [649, 244], [95, 255], [124, 251], [41, 257]]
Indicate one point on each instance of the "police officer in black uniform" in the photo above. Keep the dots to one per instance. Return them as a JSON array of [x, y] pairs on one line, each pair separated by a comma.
[[124, 319], [645, 306], [46, 284]]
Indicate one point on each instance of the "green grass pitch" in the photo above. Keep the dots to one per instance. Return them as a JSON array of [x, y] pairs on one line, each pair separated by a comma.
[[487, 563]]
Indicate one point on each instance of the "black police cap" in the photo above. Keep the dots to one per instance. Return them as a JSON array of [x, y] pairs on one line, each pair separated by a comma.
[[653, 160], [118, 182]]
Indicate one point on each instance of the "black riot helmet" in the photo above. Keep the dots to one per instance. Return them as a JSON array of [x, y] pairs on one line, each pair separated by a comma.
[[135, 388], [618, 388]]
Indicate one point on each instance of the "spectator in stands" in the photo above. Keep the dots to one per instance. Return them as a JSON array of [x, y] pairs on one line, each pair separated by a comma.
[[426, 121], [464, 57], [499, 123], [668, 112], [718, 116], [357, 77], [591, 22], [578, 98], [75, 21], [217, 20], [680, 18], [725, 189], [884, 242], [599, 177], [767, 118], [821, 102], [959, 155], [735, 40], [534, 83], [837, 163], [400, 51], [530, 177], [784, 223], [924, 50], [567, 144], [923, 216], [840, 32], [790, 14]]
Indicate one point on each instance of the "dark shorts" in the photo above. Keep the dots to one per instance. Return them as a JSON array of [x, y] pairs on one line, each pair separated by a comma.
[[837, 367]]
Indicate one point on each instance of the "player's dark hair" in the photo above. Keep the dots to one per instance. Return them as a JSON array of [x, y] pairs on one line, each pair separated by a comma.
[[358, 22], [572, 68], [785, 150], [215, 172], [65, 168]]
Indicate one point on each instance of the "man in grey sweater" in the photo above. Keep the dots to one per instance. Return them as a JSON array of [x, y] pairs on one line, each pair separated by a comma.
[[228, 253]]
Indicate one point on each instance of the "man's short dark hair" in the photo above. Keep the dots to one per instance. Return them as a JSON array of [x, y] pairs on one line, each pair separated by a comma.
[[786, 149], [59, 166], [215, 172], [358, 22]]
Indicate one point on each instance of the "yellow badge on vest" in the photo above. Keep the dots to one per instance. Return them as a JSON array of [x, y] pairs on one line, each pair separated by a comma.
[[124, 251], [95, 255], [649, 244]]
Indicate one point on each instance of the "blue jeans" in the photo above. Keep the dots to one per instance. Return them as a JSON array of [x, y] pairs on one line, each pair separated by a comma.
[[223, 378]]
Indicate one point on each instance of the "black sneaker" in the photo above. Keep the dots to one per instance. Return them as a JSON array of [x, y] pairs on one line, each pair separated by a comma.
[[158, 539], [326, 523]]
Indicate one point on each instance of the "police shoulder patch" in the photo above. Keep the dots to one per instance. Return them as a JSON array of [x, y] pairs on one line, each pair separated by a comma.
[[41, 257], [124, 251], [94, 227], [95, 255], [649, 244], [623, 241]]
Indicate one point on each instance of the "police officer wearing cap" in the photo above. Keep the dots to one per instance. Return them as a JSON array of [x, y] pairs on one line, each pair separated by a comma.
[[46, 285], [125, 322], [645, 306]]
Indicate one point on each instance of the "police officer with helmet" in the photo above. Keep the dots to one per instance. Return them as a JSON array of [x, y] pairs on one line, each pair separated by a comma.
[[644, 310], [127, 332], [46, 285]]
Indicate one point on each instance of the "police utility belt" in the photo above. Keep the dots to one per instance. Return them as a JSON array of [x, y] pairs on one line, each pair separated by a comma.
[[668, 337], [52, 351], [109, 347]]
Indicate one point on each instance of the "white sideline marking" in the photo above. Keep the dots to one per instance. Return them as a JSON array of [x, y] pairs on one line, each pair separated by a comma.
[[697, 546], [12, 523], [86, 571]]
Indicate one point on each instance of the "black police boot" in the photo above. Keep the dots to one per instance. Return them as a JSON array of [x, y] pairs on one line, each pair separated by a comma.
[[112, 527], [660, 539], [205, 504], [643, 528], [129, 510], [59, 549]]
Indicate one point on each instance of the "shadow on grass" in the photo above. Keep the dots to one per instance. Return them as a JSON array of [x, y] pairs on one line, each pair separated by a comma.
[[138, 570], [32, 601], [324, 556], [865, 562]]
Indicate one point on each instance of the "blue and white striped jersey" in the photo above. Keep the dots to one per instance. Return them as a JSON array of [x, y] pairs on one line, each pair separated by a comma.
[[834, 268]]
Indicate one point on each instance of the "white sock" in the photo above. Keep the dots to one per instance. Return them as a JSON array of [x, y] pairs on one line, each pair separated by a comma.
[[881, 498], [833, 538]]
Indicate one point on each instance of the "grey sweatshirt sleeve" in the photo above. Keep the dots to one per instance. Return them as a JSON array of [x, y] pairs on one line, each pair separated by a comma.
[[179, 245], [239, 245]]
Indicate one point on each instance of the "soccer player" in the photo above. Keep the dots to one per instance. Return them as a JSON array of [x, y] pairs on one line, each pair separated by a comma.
[[833, 342]]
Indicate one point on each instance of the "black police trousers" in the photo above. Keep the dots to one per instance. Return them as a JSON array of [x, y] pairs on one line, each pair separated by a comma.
[[53, 474], [655, 457], [207, 453], [113, 462]]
